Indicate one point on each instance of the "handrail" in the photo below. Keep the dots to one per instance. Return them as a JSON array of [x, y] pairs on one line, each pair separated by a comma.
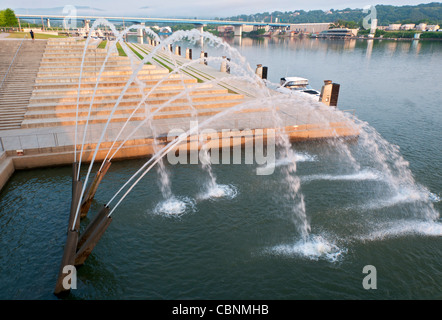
[[18, 49]]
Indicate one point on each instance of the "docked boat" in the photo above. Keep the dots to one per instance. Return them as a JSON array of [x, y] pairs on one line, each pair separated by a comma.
[[297, 85]]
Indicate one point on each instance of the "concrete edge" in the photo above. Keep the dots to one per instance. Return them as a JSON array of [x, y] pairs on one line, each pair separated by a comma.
[[7, 169]]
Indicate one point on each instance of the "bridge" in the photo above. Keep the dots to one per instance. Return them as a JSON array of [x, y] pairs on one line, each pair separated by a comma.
[[306, 27]]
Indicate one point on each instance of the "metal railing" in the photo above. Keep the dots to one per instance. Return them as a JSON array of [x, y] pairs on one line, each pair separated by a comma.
[[18, 49]]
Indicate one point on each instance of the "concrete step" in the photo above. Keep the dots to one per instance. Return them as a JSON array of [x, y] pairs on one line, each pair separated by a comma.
[[84, 110], [98, 97], [34, 123], [114, 89], [94, 67], [97, 72], [107, 103], [68, 79], [173, 79]]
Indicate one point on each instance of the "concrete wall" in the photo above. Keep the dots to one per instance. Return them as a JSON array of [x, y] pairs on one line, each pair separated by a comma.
[[6, 169]]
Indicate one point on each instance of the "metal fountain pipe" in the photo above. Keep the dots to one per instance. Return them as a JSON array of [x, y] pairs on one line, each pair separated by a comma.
[[163, 152], [170, 39], [131, 79]]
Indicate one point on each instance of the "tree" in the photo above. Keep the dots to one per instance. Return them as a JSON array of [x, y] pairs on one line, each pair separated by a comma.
[[8, 18], [2, 18]]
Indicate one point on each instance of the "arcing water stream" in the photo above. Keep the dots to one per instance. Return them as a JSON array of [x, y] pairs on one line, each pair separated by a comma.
[[385, 163]]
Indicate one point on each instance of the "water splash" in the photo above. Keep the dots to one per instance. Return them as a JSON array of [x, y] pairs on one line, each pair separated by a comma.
[[405, 195], [218, 191], [316, 247], [175, 206], [404, 228], [363, 175]]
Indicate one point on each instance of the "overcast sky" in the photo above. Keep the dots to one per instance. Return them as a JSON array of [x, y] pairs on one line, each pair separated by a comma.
[[197, 8]]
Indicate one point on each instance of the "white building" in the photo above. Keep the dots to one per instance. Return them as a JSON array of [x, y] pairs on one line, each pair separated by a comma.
[[393, 27], [433, 27], [421, 27], [408, 26]]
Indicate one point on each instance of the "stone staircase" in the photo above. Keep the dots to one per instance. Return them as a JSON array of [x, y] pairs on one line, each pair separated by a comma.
[[18, 85], [54, 99]]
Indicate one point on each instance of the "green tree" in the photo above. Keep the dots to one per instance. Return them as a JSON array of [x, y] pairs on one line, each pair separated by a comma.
[[2, 18], [8, 18]]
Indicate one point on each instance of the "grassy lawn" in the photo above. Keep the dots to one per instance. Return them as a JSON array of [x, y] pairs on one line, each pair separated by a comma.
[[36, 35], [102, 44], [121, 52]]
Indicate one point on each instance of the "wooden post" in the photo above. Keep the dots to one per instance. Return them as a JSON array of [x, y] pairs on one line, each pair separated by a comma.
[[93, 234], [258, 70], [67, 260], [223, 67], [87, 200], [329, 93], [92, 226], [189, 54], [70, 247]]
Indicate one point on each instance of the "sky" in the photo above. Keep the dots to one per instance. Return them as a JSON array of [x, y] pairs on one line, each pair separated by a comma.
[[196, 8]]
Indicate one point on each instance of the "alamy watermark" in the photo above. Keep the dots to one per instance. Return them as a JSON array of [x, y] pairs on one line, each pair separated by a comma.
[[370, 280], [70, 17], [70, 280], [372, 17]]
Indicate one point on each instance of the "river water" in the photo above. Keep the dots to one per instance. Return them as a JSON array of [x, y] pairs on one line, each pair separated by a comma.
[[245, 245]]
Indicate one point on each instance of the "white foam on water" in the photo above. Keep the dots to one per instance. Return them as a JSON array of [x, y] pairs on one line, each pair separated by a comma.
[[433, 197], [404, 195], [315, 248], [404, 228], [218, 191], [358, 176], [296, 157], [175, 206]]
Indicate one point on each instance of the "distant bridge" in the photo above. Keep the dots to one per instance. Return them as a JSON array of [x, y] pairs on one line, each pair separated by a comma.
[[307, 27]]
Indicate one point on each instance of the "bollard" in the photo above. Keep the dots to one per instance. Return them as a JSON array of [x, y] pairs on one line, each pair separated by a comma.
[[189, 54], [329, 93], [258, 71], [264, 73], [170, 47], [178, 50], [223, 67]]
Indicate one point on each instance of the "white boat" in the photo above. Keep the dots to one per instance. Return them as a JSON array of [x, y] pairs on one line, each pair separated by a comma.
[[290, 85]]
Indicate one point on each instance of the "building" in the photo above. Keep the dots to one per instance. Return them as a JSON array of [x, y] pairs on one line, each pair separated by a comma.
[[309, 27], [340, 33], [421, 27], [394, 27], [433, 27], [225, 29], [408, 26]]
